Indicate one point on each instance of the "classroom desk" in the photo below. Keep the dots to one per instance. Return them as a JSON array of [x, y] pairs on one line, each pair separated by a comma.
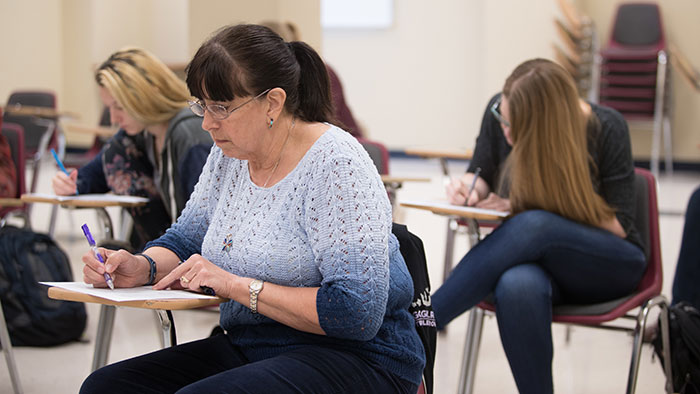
[[442, 155], [99, 131], [98, 204], [106, 322], [393, 183], [10, 202], [473, 219]]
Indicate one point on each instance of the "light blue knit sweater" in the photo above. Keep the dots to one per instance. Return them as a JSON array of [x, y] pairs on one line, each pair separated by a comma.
[[327, 224]]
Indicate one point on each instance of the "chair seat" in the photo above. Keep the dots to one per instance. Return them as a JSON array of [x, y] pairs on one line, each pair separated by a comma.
[[627, 92], [631, 53], [628, 67], [628, 80]]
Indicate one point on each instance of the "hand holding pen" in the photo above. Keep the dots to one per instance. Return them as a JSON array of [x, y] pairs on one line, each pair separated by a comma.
[[98, 256], [473, 184], [61, 185]]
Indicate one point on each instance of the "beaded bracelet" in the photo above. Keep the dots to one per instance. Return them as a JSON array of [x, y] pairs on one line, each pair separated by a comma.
[[152, 274]]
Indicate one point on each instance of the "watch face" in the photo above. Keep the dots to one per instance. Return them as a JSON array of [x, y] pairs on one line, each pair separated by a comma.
[[256, 285]]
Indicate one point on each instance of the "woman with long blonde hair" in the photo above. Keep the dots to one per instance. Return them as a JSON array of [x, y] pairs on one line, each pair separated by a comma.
[[563, 168], [160, 149]]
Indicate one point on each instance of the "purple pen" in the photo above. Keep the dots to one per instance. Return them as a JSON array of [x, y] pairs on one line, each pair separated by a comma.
[[91, 241]]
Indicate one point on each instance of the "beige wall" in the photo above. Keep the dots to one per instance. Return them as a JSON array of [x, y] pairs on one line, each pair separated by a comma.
[[426, 80], [422, 82], [680, 19], [56, 45]]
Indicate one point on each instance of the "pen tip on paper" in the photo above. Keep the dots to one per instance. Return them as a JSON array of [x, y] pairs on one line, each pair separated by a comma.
[[110, 284]]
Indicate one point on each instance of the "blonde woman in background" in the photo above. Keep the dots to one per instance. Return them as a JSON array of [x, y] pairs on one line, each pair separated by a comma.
[[567, 175], [159, 150]]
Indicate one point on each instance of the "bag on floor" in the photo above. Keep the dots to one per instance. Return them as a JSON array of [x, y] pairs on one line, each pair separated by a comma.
[[684, 330], [33, 319]]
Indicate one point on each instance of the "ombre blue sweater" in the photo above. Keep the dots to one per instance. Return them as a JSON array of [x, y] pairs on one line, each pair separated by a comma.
[[327, 224]]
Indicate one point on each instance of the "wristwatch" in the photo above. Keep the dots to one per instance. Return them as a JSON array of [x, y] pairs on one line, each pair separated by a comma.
[[255, 287]]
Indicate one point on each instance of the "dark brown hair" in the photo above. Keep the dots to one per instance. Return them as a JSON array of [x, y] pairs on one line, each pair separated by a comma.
[[244, 60]]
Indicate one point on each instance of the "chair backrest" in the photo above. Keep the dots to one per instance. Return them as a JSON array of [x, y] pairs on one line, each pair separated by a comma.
[[15, 138], [647, 223], [32, 131], [14, 135], [637, 24], [378, 153]]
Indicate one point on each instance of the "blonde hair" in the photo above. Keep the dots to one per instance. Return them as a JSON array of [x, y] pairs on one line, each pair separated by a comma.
[[550, 166], [145, 87]]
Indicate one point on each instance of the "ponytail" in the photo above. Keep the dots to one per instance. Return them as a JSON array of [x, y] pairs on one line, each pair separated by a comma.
[[314, 89]]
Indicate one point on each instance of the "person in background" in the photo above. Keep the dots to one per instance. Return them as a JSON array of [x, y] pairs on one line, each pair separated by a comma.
[[289, 222], [8, 172], [565, 172], [159, 151], [686, 281], [341, 111]]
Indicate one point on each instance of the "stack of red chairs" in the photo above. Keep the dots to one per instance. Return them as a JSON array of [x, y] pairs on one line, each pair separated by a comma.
[[633, 78]]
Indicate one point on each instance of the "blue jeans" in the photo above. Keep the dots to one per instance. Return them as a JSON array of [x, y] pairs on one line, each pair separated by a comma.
[[215, 365], [686, 282], [530, 262]]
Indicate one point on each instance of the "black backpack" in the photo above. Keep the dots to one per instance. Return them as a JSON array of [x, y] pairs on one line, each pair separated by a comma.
[[414, 254], [33, 319], [684, 330]]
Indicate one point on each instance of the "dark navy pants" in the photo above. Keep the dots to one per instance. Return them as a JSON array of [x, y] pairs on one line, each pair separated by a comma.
[[686, 282], [530, 262], [215, 365]]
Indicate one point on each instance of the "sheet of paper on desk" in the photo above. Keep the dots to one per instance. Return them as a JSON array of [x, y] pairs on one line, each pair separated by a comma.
[[130, 294], [92, 197], [447, 205]]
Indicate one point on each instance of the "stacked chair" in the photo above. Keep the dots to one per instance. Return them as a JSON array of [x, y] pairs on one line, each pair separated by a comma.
[[634, 76], [576, 48]]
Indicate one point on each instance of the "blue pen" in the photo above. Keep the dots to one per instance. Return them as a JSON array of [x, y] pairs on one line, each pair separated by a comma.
[[91, 241], [60, 164]]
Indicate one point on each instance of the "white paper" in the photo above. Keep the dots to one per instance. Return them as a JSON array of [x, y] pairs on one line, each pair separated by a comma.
[[92, 197], [447, 205], [128, 294]]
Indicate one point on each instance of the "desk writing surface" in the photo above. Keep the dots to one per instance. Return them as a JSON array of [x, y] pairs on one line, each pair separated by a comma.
[[445, 208], [93, 130], [10, 202], [86, 200], [138, 297], [458, 154], [401, 179]]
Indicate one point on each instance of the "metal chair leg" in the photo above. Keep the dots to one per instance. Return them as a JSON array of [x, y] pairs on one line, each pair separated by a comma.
[[9, 355], [472, 342], [103, 338], [449, 247], [639, 328], [167, 328]]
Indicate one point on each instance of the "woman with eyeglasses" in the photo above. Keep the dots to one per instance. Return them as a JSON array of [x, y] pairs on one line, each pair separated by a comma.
[[159, 150], [563, 168], [291, 223]]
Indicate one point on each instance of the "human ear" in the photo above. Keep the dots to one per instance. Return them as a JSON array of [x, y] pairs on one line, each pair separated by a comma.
[[275, 99]]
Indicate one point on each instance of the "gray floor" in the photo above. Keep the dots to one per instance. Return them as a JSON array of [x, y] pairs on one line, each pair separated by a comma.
[[594, 361]]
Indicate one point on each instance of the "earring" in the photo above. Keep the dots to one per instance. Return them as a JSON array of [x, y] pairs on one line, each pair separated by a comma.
[[270, 125]]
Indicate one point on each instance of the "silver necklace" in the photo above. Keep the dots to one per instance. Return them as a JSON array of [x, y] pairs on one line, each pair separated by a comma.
[[279, 158], [228, 239]]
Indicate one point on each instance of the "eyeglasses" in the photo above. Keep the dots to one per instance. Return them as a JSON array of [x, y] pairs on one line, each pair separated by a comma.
[[496, 111], [217, 111]]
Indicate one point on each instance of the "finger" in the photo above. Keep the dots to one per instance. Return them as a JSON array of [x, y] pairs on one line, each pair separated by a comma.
[[92, 262], [172, 277], [74, 176], [93, 278], [473, 199]]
